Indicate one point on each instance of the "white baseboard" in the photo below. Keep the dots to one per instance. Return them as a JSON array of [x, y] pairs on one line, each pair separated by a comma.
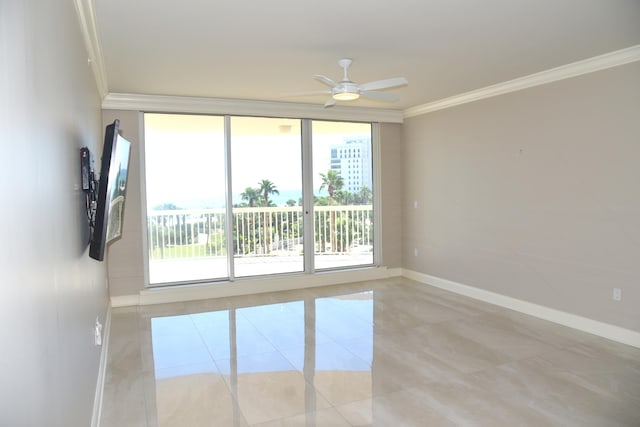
[[102, 370], [394, 272], [248, 286], [605, 330]]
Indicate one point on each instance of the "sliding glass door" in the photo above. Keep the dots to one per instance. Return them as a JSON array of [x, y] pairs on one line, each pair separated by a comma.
[[235, 196], [186, 203], [343, 202], [266, 159]]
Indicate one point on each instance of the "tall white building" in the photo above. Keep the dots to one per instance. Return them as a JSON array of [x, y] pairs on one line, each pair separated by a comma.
[[352, 159]]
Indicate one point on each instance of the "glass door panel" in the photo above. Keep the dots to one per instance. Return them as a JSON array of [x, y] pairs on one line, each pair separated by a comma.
[[343, 194], [185, 193], [266, 165]]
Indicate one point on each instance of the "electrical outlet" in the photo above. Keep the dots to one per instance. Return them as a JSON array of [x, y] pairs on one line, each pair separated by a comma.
[[415, 251], [98, 333], [617, 294]]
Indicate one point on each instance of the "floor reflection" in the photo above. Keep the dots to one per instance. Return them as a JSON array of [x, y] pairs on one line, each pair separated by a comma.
[[255, 364], [382, 353]]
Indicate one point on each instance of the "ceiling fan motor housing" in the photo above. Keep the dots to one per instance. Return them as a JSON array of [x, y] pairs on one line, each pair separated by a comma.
[[345, 91]]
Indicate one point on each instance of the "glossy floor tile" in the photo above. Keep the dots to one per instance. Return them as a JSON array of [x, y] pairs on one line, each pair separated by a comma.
[[382, 353]]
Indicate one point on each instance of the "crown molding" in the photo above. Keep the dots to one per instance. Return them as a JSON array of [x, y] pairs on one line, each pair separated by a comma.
[[201, 105], [597, 63], [87, 21]]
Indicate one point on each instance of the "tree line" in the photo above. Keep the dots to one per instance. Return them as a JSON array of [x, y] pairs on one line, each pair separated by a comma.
[[261, 228], [260, 196]]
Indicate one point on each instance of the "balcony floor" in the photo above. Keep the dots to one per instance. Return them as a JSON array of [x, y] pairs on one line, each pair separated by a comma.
[[196, 269]]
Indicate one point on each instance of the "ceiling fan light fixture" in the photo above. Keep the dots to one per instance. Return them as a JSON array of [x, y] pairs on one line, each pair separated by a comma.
[[346, 96], [345, 91]]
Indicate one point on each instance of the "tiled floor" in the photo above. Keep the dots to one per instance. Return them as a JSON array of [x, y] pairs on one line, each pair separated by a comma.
[[384, 353]]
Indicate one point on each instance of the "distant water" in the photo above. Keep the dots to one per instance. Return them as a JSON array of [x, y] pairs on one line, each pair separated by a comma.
[[218, 202], [279, 199]]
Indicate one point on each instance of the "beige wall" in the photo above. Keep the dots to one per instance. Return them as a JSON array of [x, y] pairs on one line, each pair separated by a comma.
[[52, 291], [391, 188], [125, 256], [534, 195]]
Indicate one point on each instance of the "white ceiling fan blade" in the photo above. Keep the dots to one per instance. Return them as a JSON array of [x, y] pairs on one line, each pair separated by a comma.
[[330, 103], [384, 84], [383, 96], [324, 79]]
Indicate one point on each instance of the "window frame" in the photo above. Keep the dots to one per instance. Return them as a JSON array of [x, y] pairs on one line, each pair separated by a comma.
[[307, 197]]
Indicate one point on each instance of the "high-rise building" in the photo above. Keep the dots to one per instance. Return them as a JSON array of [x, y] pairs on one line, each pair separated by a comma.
[[352, 159]]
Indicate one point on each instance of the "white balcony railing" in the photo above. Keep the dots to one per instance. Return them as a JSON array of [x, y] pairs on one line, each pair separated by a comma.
[[199, 233]]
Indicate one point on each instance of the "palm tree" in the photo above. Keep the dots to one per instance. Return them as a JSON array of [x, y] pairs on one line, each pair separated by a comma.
[[266, 188], [366, 196], [251, 195], [342, 197], [333, 182]]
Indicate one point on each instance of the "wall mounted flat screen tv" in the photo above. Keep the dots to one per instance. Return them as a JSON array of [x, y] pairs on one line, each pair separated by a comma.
[[112, 188]]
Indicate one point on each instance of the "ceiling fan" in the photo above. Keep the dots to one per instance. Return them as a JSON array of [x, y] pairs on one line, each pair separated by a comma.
[[347, 90]]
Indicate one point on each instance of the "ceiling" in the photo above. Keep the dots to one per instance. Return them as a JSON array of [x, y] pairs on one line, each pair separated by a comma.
[[264, 50]]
